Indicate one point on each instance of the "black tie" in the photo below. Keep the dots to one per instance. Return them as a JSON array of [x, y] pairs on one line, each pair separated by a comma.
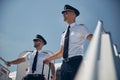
[[34, 62], [66, 43]]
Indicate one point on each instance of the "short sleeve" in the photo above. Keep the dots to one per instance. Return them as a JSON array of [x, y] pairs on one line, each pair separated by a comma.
[[62, 39], [27, 56], [85, 31]]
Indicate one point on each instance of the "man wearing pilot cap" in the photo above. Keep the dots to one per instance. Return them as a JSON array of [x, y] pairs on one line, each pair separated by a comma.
[[70, 8], [35, 60], [72, 43], [39, 37]]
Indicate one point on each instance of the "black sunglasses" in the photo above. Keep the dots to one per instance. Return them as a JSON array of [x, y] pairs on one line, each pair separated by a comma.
[[36, 40]]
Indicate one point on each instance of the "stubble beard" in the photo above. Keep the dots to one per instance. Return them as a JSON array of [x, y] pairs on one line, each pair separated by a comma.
[[36, 45]]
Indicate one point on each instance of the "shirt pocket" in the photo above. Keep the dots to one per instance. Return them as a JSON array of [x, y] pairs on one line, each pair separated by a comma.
[[75, 37]]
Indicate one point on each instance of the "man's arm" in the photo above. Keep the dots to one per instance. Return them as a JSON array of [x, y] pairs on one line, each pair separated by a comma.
[[89, 37], [16, 61], [55, 56]]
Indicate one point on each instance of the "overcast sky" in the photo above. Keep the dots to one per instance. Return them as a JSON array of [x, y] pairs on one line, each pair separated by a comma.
[[21, 20]]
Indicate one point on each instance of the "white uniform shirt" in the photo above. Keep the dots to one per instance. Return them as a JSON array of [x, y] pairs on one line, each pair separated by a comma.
[[30, 58], [78, 34]]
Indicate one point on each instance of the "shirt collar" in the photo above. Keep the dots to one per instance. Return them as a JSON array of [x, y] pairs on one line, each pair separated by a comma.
[[39, 51], [71, 25]]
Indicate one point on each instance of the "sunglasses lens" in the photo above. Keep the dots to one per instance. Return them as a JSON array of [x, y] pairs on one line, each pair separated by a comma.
[[35, 40]]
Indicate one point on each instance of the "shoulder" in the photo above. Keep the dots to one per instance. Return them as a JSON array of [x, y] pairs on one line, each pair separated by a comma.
[[44, 52], [47, 52], [78, 25], [63, 33], [29, 52], [83, 26]]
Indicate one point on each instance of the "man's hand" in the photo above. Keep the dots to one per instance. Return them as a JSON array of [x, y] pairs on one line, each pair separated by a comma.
[[8, 63], [89, 37], [46, 61]]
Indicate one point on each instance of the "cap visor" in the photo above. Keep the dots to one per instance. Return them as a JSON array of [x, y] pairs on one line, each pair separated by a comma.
[[63, 12], [36, 39]]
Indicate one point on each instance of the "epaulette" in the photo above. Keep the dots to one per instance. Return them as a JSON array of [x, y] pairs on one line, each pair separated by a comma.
[[82, 24], [63, 32], [45, 52], [31, 51]]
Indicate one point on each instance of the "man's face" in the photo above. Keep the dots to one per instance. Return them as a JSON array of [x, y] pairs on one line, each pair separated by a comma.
[[68, 15], [38, 43]]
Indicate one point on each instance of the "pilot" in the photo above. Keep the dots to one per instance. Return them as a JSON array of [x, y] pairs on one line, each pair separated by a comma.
[[72, 42], [35, 60]]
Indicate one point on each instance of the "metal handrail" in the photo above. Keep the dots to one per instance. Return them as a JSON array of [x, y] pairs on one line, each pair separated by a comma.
[[99, 56], [89, 65]]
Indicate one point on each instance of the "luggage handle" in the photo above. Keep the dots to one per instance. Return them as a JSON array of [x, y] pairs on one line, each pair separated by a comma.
[[42, 69], [48, 70]]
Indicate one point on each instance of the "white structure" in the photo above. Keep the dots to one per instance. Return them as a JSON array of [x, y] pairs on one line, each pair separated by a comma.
[[4, 72], [100, 62]]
